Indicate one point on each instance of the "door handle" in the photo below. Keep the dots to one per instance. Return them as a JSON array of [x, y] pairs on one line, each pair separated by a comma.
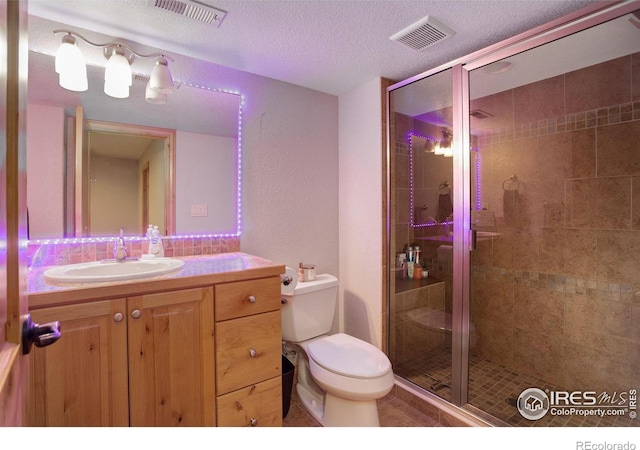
[[38, 335]]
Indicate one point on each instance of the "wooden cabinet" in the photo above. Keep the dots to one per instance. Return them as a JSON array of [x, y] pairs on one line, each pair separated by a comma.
[[141, 361], [82, 379], [248, 353], [170, 348]]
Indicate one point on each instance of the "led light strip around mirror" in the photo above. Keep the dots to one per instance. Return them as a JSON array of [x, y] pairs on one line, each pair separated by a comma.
[[234, 234]]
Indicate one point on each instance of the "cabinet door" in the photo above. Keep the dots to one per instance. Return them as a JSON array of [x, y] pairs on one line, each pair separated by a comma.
[[82, 379], [171, 362]]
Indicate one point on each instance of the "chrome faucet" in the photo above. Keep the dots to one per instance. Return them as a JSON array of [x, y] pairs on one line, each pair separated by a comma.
[[120, 251]]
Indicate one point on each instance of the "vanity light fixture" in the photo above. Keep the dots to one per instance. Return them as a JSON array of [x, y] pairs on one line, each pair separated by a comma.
[[118, 77], [70, 65], [443, 147]]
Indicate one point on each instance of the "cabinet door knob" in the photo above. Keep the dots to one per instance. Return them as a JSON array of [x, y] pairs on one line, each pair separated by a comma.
[[117, 317], [252, 353], [136, 313], [252, 299], [253, 421]]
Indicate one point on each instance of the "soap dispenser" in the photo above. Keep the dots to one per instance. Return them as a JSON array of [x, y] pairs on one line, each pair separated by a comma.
[[155, 247]]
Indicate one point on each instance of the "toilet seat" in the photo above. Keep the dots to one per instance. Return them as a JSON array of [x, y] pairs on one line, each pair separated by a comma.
[[349, 356]]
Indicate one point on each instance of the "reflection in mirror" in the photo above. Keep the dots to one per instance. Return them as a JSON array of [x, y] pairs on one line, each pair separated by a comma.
[[201, 189], [430, 186]]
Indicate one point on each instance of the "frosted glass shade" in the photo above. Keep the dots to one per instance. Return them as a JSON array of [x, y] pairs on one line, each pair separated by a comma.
[[117, 76], [161, 80], [154, 97], [115, 88], [71, 67]]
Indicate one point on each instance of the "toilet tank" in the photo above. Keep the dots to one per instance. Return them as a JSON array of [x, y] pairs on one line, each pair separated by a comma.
[[308, 312]]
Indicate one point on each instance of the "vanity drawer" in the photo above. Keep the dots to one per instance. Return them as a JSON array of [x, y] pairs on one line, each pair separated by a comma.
[[258, 405], [246, 297], [248, 350]]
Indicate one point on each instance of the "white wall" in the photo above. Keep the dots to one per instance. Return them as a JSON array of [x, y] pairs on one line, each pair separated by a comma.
[[290, 168], [45, 135], [361, 212], [203, 178]]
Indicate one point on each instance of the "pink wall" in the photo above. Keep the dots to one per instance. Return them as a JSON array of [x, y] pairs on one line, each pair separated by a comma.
[[45, 136]]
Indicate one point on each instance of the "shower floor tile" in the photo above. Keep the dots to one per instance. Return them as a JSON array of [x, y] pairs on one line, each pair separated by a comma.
[[493, 389]]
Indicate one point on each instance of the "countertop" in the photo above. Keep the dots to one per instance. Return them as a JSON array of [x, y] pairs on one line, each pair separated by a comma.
[[197, 271]]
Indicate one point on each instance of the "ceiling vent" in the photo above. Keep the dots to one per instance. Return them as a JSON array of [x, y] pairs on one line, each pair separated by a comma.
[[145, 79], [191, 9], [480, 114], [422, 34]]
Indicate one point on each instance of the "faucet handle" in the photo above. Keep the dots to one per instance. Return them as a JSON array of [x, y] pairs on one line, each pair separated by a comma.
[[120, 250]]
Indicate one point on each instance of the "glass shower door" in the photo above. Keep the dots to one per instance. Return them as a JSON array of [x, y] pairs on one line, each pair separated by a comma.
[[555, 167], [421, 232]]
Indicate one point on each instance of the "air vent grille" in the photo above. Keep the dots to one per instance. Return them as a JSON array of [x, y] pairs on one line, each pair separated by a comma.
[[145, 79], [191, 9], [422, 34], [480, 114]]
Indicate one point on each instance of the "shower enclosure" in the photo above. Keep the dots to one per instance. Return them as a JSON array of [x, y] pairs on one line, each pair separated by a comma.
[[516, 172]]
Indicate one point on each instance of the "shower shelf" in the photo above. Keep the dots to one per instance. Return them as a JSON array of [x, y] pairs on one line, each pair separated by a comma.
[[410, 284]]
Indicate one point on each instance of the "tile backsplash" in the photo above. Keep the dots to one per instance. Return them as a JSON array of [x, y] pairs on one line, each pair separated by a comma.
[[49, 254]]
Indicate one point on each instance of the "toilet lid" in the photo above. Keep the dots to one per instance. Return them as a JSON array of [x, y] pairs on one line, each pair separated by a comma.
[[350, 356]]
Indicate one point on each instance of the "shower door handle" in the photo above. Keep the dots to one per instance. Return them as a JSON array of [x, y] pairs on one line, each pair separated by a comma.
[[473, 240]]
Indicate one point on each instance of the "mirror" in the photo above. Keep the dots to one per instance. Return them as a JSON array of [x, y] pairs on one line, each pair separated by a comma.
[[198, 182]]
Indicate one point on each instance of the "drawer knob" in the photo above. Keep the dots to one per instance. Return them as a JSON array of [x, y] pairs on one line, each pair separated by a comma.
[[117, 317], [253, 421], [136, 313], [252, 353], [252, 299]]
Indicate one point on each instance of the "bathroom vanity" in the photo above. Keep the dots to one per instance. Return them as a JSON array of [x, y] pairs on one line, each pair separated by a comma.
[[198, 347]]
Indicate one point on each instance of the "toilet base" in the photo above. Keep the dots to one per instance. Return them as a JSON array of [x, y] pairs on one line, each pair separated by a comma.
[[332, 411], [340, 412]]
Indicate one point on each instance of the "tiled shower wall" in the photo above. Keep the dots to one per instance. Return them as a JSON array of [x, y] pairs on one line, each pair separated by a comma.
[[557, 295]]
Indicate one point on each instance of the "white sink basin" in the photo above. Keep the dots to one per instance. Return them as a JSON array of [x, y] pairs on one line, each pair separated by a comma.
[[104, 271]]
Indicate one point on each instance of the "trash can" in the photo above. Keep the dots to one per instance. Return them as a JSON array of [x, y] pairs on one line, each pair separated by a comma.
[[287, 384]]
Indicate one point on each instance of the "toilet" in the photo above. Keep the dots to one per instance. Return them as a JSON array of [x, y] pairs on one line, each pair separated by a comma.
[[340, 377]]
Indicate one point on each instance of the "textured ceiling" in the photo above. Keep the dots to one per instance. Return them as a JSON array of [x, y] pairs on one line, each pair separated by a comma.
[[330, 46]]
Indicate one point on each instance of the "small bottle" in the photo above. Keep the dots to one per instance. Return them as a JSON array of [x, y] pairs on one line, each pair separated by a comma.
[[410, 255], [410, 269], [417, 272], [417, 253], [401, 269]]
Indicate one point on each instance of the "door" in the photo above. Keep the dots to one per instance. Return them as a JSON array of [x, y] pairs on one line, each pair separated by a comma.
[[13, 300]]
